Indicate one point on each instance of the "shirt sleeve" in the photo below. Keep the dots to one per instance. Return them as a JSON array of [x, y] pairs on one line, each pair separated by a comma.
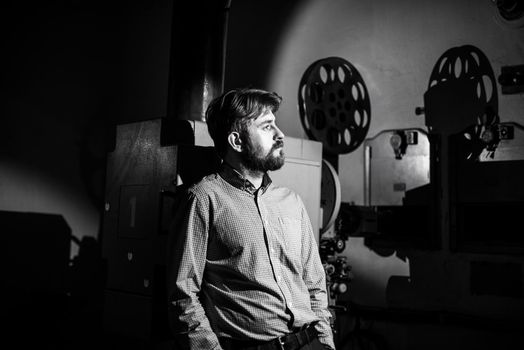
[[314, 277], [186, 254]]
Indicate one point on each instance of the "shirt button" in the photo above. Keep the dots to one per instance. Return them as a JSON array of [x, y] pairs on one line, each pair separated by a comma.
[[290, 304], [273, 250], [279, 278]]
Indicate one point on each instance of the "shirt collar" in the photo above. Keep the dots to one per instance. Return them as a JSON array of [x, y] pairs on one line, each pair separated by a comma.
[[235, 178]]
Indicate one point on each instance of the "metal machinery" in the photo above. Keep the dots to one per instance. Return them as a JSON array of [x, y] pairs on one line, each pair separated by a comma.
[[150, 161], [399, 203], [481, 158], [334, 109], [399, 195], [466, 166]]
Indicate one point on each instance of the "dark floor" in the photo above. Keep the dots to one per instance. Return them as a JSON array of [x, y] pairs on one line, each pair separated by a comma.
[[61, 323]]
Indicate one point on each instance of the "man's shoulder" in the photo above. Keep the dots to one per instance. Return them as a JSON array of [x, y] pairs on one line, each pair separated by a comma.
[[207, 184], [282, 189], [285, 192], [199, 191]]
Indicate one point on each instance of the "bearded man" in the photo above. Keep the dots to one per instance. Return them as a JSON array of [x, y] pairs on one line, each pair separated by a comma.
[[244, 271]]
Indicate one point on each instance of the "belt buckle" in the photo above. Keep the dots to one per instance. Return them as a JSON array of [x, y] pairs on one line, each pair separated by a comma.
[[281, 343]]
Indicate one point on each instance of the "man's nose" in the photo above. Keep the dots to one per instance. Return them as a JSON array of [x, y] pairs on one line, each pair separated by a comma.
[[278, 133]]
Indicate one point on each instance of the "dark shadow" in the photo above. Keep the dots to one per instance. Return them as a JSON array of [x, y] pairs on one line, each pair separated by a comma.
[[486, 197], [260, 41], [197, 162], [51, 302], [36, 277], [413, 224], [87, 281]]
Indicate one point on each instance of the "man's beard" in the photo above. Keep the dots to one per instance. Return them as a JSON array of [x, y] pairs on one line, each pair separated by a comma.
[[253, 159]]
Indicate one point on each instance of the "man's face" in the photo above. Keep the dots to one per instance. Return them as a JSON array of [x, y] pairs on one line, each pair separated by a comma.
[[264, 143]]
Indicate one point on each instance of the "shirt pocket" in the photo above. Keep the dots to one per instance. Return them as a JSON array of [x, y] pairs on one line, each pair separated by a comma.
[[291, 234]]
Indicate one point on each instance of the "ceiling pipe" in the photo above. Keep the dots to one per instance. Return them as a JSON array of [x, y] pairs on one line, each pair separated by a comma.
[[197, 58]]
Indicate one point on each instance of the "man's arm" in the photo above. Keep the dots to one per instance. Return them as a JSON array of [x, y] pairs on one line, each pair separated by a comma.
[[186, 253], [315, 278]]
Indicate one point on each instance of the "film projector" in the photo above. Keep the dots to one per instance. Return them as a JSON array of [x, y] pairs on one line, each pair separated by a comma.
[[480, 159], [334, 107], [465, 166]]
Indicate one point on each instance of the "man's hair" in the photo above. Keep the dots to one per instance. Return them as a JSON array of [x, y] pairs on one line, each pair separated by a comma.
[[233, 110]]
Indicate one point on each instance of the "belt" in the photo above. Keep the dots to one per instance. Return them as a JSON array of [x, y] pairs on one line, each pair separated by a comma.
[[296, 340], [291, 341]]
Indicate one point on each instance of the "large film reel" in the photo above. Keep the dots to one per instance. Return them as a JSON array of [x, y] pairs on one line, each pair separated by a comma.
[[466, 68], [334, 105]]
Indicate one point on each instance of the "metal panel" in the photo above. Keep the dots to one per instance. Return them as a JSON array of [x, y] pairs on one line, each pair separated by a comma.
[[390, 176], [302, 172]]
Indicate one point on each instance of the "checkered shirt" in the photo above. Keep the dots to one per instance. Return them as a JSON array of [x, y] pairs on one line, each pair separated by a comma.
[[243, 263]]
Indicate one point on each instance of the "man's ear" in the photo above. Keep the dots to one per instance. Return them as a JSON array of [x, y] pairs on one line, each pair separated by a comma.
[[235, 141]]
